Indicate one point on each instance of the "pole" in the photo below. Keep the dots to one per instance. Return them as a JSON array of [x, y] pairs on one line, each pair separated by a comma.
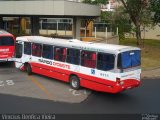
[[85, 34], [95, 32], [117, 30], [106, 35], [57, 27]]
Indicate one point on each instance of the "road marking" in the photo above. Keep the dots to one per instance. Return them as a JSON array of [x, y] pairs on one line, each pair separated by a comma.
[[39, 85], [1, 83], [6, 82], [9, 82], [74, 92], [79, 92]]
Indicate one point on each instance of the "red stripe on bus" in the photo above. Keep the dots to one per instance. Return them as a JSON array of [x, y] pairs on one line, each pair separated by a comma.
[[87, 81], [7, 51]]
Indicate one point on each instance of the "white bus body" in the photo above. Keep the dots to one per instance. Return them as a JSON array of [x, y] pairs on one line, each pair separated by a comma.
[[97, 66]]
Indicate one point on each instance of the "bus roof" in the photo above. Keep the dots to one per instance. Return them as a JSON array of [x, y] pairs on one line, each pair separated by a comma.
[[3, 32], [74, 43]]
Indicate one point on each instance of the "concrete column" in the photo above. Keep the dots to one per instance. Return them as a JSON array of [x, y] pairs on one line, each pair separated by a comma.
[[35, 25], [76, 28], [1, 23]]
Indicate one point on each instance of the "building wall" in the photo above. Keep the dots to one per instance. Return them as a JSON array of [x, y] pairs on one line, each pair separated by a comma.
[[46, 7], [59, 32], [149, 33]]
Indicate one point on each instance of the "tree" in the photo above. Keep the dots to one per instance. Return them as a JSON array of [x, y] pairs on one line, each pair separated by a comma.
[[87, 1], [117, 18], [122, 21], [96, 2], [155, 8], [139, 13]]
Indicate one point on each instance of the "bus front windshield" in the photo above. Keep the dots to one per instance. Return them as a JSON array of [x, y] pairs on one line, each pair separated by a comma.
[[6, 41], [129, 59]]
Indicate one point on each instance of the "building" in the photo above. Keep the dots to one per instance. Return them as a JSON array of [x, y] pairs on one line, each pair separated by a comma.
[[110, 6], [49, 17]]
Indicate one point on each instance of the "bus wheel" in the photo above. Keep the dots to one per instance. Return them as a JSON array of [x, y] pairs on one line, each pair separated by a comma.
[[29, 69], [74, 82]]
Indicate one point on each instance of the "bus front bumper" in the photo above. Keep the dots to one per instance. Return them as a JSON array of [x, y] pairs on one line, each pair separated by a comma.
[[6, 59], [127, 84]]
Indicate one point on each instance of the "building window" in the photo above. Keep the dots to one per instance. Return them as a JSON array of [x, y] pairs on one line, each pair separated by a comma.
[[88, 59], [56, 24], [36, 49], [101, 27]]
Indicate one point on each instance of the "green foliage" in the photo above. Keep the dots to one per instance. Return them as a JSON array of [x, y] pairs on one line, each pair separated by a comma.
[[96, 2], [118, 18], [106, 16], [138, 10], [140, 15], [155, 7], [122, 20], [100, 2], [87, 1], [148, 42]]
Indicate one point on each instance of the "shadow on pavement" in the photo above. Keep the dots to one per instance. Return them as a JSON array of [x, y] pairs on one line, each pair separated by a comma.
[[7, 65]]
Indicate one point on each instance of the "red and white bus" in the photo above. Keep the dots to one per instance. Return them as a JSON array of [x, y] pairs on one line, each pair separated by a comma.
[[7, 46], [97, 66]]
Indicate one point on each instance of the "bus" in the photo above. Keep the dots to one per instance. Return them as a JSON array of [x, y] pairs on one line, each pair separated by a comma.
[[96, 66], [7, 46]]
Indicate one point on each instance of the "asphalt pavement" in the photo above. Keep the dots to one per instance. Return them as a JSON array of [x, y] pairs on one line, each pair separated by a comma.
[[36, 94], [16, 82], [144, 99]]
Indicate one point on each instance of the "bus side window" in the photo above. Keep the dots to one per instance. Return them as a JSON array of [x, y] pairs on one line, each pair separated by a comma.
[[27, 48], [60, 54], [36, 49], [88, 59], [47, 52], [105, 61], [73, 56], [18, 50]]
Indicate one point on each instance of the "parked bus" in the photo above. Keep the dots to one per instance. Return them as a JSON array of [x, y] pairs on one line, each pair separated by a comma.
[[97, 66], [7, 46]]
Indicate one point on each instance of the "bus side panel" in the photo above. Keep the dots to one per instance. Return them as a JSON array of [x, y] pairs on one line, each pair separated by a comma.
[[86, 81], [99, 84], [50, 71], [6, 51], [97, 80], [100, 87], [95, 86]]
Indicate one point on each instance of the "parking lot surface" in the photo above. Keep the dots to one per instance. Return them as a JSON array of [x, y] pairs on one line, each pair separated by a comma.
[[18, 83]]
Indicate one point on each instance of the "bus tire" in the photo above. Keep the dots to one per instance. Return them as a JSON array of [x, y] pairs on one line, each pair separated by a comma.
[[74, 82], [29, 69]]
